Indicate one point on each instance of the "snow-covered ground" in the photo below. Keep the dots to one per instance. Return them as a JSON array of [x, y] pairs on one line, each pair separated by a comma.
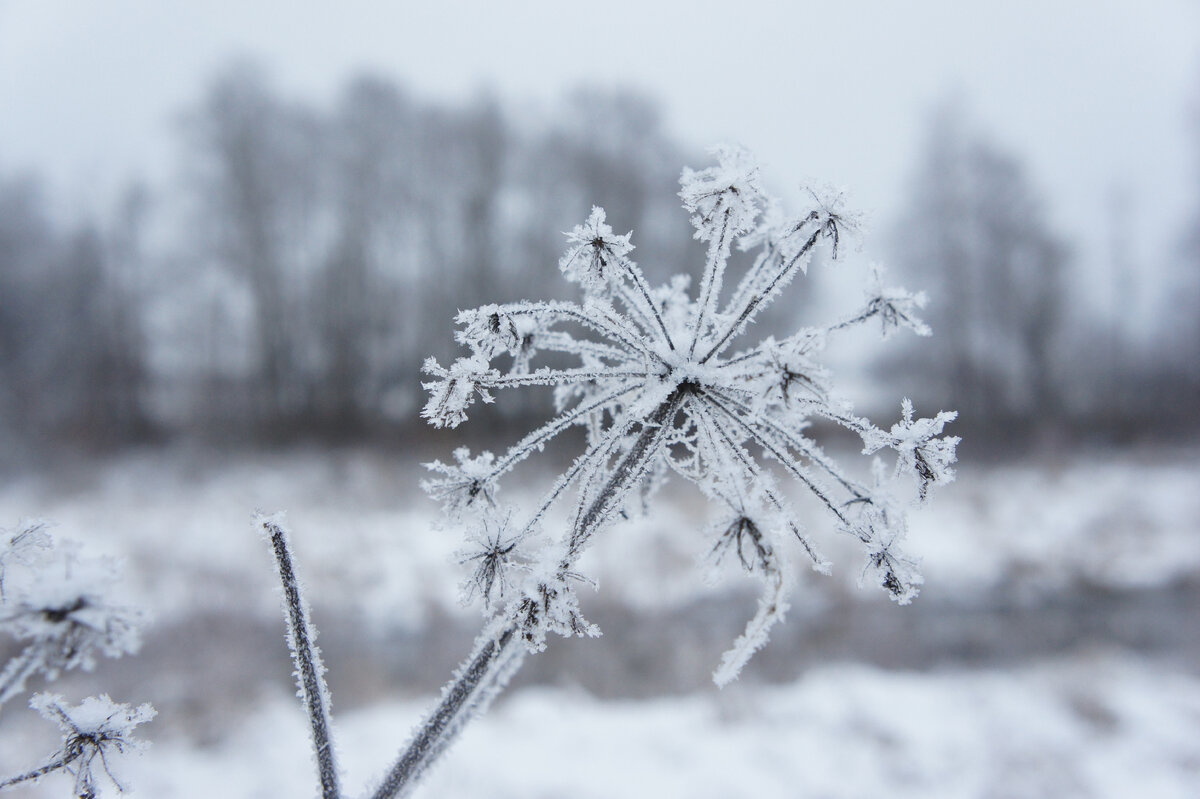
[[1098, 531], [1107, 727], [1114, 727]]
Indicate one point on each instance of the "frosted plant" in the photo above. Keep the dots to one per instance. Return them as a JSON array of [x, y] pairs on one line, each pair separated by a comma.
[[662, 386], [301, 639], [494, 554], [61, 603], [96, 732], [659, 380]]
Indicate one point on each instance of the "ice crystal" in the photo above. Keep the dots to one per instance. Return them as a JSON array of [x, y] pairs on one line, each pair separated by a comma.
[[495, 553], [918, 448]]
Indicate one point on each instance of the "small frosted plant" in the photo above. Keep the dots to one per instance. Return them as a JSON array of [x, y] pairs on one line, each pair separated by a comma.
[[60, 602], [661, 383], [96, 734]]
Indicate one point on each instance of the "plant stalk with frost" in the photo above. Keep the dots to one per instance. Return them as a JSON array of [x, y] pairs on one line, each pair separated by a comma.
[[661, 385], [301, 639]]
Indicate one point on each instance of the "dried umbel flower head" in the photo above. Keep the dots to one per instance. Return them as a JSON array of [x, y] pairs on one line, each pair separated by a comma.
[[660, 388]]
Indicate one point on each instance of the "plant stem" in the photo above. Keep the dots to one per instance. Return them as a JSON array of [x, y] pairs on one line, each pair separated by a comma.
[[624, 474], [499, 655], [476, 683], [18, 669], [307, 657], [37, 773]]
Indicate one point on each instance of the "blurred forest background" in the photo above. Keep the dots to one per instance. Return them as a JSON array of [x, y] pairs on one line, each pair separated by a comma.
[[287, 283]]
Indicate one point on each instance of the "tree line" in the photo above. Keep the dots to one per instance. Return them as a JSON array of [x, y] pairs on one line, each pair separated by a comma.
[[314, 259], [289, 281], [1021, 346]]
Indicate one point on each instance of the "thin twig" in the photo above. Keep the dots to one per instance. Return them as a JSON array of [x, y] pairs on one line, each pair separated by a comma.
[[498, 655], [18, 669]]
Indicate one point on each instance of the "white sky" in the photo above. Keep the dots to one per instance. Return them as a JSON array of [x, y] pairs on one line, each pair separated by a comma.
[[1092, 93]]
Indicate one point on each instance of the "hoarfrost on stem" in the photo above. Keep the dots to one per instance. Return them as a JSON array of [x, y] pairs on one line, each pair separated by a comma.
[[302, 642]]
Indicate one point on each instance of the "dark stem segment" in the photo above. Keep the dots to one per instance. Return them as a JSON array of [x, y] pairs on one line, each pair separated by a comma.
[[307, 657], [640, 282], [630, 468], [754, 303], [498, 656], [37, 773], [477, 681]]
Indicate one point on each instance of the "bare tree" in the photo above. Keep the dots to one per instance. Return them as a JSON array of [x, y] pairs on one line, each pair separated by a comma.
[[1183, 316], [71, 355], [257, 171], [357, 298], [974, 226], [26, 243]]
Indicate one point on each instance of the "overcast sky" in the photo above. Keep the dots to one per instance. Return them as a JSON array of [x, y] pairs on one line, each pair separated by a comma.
[[1092, 93]]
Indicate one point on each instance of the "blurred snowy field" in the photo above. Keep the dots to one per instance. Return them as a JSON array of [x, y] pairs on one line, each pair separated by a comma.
[[367, 537], [1051, 654], [1108, 727]]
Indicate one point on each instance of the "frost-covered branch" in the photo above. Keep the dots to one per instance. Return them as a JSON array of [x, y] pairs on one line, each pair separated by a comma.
[[476, 683], [739, 534], [597, 261], [19, 669], [724, 201], [894, 307], [786, 255], [770, 447], [501, 647], [723, 443]]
